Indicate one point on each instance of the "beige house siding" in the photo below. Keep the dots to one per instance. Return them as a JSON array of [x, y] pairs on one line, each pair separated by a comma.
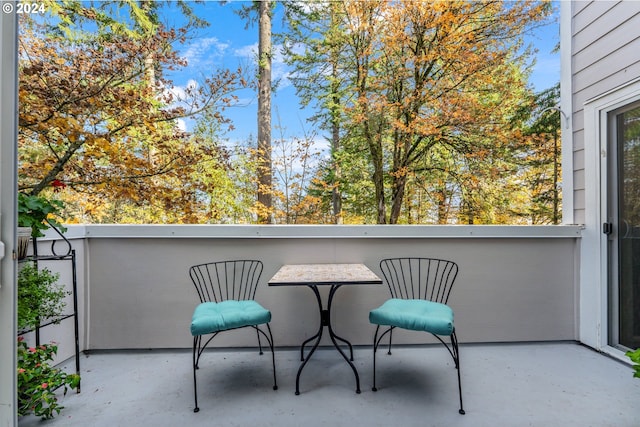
[[605, 54]]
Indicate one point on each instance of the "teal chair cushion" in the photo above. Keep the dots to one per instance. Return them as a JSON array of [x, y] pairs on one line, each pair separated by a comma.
[[209, 317], [415, 315]]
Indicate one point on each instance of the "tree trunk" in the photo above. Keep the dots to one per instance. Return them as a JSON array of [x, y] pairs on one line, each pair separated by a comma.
[[336, 195], [556, 204], [264, 113], [399, 185], [442, 205], [375, 147]]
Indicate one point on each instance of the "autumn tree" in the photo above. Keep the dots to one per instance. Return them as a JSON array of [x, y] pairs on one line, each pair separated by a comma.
[[94, 118], [294, 165], [356, 186], [540, 157], [319, 76], [225, 181], [421, 102], [422, 83], [429, 75]]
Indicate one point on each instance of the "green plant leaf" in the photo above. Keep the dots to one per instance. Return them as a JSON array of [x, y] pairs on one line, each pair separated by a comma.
[[39, 213], [635, 358], [40, 296]]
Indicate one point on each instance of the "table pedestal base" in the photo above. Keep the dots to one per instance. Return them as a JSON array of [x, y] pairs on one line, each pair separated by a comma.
[[325, 321]]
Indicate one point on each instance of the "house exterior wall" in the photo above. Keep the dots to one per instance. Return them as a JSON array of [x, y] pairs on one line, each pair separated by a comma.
[[601, 60], [604, 55]]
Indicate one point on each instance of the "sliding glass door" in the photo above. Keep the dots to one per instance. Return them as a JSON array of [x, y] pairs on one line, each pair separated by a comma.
[[624, 228]]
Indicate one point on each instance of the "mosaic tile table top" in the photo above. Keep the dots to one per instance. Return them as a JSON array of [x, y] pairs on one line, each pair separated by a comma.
[[324, 274]]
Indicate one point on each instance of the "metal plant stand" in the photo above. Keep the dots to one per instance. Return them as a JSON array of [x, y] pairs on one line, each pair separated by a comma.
[[67, 254]]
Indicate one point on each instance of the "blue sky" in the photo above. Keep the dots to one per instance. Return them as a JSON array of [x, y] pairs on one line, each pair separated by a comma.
[[227, 43]]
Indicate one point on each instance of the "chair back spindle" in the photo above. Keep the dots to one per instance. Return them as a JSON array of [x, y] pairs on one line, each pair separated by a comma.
[[419, 278], [226, 280]]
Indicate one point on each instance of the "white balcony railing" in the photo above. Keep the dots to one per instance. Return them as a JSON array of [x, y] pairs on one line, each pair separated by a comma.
[[515, 283]]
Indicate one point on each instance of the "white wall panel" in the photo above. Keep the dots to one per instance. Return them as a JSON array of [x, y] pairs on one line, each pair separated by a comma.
[[509, 289]]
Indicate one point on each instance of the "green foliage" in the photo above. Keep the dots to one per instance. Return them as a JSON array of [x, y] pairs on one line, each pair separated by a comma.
[[33, 211], [635, 358], [111, 145], [38, 380], [428, 116], [39, 296]]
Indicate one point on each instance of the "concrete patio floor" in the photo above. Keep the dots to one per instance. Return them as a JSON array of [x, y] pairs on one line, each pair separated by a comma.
[[548, 384]]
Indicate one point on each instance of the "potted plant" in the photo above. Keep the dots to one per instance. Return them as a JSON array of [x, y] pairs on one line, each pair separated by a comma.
[[24, 237], [40, 298], [38, 381], [635, 358], [36, 214]]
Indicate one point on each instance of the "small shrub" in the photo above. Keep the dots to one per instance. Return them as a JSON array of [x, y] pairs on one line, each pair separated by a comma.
[[39, 296], [635, 358], [38, 380]]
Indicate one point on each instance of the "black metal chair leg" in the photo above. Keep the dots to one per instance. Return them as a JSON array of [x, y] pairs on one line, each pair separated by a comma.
[[456, 351], [273, 357], [196, 358], [376, 344], [259, 343], [375, 348]]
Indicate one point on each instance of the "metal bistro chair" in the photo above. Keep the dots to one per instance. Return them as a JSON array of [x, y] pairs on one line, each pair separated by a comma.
[[227, 290], [420, 288]]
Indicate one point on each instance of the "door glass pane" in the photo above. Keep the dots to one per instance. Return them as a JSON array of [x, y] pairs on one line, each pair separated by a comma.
[[628, 140]]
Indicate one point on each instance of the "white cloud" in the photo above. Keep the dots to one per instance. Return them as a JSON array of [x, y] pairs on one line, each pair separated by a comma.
[[203, 52], [180, 92], [177, 92], [182, 125], [248, 52]]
